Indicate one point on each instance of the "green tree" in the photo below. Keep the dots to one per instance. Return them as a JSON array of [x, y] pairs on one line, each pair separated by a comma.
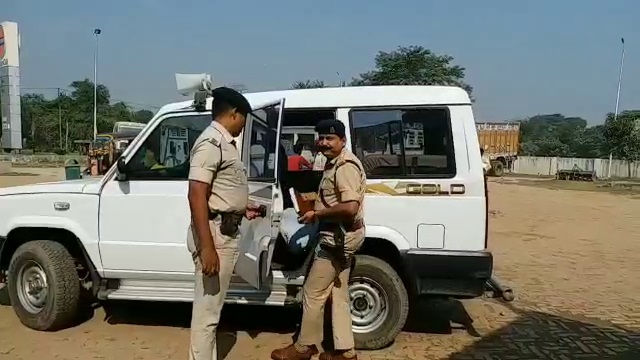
[[142, 116], [622, 134], [557, 135], [308, 84], [413, 65], [53, 125]]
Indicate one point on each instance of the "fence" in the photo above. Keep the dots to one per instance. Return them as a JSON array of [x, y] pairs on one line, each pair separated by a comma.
[[531, 165], [40, 159]]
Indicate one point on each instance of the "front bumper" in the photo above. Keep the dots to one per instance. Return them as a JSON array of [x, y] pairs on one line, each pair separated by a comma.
[[450, 273]]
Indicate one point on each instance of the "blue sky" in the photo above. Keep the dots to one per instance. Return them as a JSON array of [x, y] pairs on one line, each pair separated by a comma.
[[522, 57]]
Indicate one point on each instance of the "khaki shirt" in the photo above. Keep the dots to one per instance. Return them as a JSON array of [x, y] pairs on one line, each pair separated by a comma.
[[342, 174], [349, 180], [215, 160]]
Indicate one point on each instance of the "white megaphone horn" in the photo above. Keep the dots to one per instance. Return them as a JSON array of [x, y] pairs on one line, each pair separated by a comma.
[[188, 84]]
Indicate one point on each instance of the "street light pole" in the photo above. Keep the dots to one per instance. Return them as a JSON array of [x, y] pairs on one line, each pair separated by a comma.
[[615, 114], [59, 118], [96, 32]]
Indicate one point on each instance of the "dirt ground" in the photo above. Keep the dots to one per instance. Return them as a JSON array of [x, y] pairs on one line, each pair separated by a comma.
[[571, 256]]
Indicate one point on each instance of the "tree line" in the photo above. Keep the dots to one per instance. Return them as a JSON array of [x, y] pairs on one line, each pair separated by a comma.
[[53, 125], [540, 135]]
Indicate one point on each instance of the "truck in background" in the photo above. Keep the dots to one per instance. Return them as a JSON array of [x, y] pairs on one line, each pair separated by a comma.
[[500, 142]]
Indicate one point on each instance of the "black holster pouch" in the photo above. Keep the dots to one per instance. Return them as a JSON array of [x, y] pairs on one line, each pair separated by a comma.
[[336, 250], [230, 223]]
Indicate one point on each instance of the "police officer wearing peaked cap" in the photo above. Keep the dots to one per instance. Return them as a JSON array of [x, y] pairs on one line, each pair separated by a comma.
[[218, 199], [339, 211]]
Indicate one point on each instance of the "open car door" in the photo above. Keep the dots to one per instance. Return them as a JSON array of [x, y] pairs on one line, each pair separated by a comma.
[[261, 153]]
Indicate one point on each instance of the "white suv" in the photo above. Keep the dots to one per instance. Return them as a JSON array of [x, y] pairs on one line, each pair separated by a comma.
[[123, 236]]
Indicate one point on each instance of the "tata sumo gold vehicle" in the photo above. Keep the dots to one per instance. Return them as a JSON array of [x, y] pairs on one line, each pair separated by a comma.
[[123, 236]]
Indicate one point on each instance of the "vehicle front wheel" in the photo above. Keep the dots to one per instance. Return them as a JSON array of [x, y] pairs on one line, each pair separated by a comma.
[[379, 303], [43, 285]]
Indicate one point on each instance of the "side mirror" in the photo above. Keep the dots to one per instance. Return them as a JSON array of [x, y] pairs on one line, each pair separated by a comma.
[[123, 169]]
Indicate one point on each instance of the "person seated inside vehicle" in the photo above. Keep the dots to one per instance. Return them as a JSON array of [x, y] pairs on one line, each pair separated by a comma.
[[147, 157], [297, 162], [151, 161]]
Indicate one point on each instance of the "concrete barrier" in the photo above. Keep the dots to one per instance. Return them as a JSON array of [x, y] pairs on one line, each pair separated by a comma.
[[549, 166], [40, 159]]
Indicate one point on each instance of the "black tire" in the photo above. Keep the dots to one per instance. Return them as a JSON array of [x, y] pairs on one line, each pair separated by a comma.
[[498, 168], [371, 270], [61, 306]]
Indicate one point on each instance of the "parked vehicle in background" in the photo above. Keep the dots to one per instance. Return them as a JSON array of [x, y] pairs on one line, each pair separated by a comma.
[[500, 142], [127, 126]]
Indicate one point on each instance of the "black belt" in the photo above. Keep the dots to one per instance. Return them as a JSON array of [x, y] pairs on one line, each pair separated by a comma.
[[215, 214]]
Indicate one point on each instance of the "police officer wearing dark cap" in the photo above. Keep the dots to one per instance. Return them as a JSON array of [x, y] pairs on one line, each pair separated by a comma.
[[338, 209], [218, 199]]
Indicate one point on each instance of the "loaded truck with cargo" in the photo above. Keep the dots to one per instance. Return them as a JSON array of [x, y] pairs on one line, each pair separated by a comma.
[[500, 142]]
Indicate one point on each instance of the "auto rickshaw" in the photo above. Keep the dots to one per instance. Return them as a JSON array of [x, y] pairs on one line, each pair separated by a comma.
[[105, 151]]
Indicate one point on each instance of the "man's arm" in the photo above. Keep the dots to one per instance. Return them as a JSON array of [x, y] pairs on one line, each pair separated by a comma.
[[306, 165], [348, 184], [205, 158]]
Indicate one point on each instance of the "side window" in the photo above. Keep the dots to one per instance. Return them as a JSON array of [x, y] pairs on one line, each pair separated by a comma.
[[164, 154], [404, 142]]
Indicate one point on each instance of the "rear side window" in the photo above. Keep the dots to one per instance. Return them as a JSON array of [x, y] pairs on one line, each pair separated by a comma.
[[404, 142]]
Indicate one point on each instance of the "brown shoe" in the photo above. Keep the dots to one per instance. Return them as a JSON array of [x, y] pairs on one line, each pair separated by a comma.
[[291, 353], [336, 355]]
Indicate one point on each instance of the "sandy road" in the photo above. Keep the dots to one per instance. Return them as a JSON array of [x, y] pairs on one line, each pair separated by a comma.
[[573, 258]]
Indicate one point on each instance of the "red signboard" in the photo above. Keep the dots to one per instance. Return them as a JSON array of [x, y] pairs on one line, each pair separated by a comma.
[[2, 47]]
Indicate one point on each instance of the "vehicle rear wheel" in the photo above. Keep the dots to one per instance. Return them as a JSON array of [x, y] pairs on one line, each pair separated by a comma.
[[44, 287], [498, 168], [379, 303]]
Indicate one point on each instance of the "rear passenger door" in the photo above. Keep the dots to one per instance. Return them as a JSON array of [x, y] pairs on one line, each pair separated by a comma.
[[261, 153]]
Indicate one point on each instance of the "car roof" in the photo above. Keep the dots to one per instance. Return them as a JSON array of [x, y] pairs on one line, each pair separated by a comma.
[[351, 96]]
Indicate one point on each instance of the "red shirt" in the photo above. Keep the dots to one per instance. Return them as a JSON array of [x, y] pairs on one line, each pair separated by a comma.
[[298, 162]]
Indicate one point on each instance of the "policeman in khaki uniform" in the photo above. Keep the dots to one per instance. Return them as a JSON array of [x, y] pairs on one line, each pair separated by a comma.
[[338, 209], [218, 199]]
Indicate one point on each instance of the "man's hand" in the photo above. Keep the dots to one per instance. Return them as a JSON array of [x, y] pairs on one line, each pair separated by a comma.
[[308, 217], [210, 261], [253, 211]]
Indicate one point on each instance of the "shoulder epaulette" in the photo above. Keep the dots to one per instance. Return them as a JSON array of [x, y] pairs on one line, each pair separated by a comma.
[[215, 137]]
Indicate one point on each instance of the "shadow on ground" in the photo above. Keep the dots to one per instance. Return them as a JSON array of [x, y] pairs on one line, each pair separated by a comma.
[[436, 316], [252, 320], [536, 335], [532, 335]]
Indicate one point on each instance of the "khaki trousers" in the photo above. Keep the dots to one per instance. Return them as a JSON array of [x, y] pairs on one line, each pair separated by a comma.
[[321, 283], [209, 296]]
